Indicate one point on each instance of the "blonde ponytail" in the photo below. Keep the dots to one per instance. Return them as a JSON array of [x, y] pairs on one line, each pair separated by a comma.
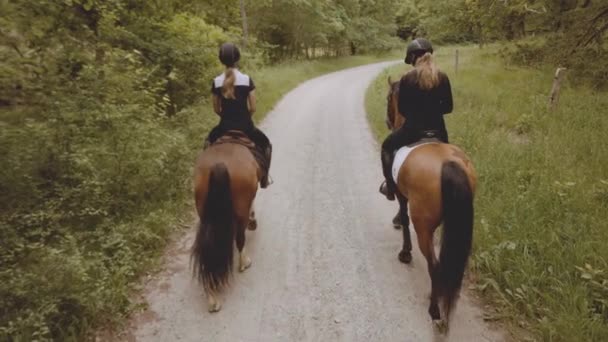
[[428, 74], [228, 86]]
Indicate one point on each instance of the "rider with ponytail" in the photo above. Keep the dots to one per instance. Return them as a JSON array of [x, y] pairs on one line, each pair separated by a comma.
[[425, 95], [234, 101]]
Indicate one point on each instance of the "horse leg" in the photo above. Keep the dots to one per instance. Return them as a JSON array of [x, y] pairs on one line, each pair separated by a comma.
[[253, 222], [432, 262], [244, 260], [405, 255], [397, 220], [213, 302], [424, 231]]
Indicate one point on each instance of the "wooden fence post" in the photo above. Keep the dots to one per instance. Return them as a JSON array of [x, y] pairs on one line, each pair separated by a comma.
[[557, 82], [456, 62]]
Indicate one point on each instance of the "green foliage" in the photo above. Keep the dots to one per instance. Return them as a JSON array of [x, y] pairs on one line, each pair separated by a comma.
[[572, 33], [312, 28], [448, 21], [102, 107], [540, 235], [95, 169]]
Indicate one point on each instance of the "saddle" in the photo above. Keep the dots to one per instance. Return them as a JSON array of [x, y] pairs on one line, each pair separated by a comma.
[[427, 137], [236, 137], [240, 138]]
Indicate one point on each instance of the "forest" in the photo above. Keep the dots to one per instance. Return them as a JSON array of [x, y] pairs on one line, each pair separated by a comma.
[[103, 104]]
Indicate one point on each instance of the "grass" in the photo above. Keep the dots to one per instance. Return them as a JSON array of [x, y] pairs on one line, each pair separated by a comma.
[[541, 235]]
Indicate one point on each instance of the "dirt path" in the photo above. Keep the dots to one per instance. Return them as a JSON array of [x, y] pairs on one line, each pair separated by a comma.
[[324, 256]]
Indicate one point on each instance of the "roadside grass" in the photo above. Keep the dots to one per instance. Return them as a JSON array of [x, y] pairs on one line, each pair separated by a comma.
[[85, 278], [541, 235]]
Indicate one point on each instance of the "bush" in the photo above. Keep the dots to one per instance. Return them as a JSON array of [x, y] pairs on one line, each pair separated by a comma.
[[97, 148], [586, 66]]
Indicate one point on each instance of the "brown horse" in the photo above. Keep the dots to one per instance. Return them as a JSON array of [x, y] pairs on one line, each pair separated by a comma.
[[438, 182], [225, 185]]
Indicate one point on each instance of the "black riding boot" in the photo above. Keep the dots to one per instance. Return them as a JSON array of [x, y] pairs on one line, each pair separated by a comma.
[[264, 182], [388, 188]]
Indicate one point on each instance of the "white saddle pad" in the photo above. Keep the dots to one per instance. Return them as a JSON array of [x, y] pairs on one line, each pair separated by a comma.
[[401, 156]]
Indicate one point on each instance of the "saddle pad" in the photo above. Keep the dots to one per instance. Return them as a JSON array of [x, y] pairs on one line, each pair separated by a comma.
[[401, 156]]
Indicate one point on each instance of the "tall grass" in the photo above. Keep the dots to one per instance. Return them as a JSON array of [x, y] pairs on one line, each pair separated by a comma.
[[541, 235]]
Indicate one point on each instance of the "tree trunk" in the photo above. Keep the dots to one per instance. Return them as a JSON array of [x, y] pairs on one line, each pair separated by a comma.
[[480, 35], [245, 26]]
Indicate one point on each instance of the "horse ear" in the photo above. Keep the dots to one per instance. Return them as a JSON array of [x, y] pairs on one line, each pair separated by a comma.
[[390, 81]]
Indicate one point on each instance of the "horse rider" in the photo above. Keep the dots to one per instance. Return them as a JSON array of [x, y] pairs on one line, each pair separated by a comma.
[[425, 95], [234, 101]]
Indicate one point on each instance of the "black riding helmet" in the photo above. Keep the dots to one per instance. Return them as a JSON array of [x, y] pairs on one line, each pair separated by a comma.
[[229, 54], [417, 48]]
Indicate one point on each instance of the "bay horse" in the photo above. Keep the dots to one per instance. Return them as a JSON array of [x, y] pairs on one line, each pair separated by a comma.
[[438, 182], [226, 179]]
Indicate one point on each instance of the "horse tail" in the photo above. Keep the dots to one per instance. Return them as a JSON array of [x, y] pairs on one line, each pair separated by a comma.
[[457, 202], [213, 252]]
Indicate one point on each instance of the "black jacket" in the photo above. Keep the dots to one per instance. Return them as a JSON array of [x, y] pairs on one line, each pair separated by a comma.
[[424, 109]]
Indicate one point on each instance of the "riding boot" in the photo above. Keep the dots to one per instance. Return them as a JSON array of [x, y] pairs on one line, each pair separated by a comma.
[[388, 188], [264, 182]]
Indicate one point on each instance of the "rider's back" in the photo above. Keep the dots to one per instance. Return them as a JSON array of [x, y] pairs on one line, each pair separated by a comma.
[[424, 108], [235, 111]]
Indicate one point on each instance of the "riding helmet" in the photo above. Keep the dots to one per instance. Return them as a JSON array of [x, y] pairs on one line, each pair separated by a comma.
[[417, 48], [229, 54]]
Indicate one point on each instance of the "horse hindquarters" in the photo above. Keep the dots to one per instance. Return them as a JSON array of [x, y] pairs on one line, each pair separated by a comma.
[[213, 248]]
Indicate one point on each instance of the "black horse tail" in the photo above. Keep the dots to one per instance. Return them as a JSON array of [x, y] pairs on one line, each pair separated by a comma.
[[212, 252], [457, 202]]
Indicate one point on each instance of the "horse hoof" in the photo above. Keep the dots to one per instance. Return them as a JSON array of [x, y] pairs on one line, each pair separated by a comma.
[[245, 264], [405, 257], [214, 304], [441, 326], [215, 307], [253, 225], [396, 226]]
